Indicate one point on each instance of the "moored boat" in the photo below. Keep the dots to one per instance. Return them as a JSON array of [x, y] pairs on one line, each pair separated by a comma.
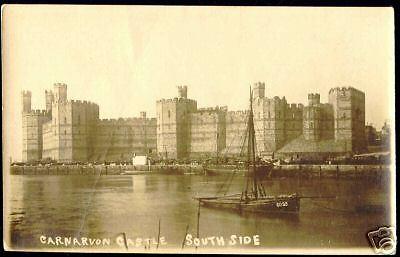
[[253, 198]]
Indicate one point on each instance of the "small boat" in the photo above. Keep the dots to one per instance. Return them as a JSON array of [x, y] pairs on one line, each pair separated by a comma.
[[280, 203], [253, 198]]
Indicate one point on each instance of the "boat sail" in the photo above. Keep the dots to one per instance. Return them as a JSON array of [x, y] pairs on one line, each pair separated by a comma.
[[253, 197]]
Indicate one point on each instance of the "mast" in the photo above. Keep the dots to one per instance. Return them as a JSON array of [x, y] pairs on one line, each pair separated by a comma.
[[252, 146], [251, 151]]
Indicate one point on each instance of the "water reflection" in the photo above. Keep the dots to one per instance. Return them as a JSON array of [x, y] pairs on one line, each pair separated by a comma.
[[105, 206]]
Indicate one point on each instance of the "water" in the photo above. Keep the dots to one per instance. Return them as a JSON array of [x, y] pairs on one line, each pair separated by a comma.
[[106, 206]]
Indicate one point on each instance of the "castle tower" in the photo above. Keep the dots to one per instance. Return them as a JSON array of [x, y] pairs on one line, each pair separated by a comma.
[[311, 122], [182, 91], [313, 99], [349, 117], [26, 101], [49, 100], [312, 118], [32, 122], [173, 125], [60, 92], [259, 90]]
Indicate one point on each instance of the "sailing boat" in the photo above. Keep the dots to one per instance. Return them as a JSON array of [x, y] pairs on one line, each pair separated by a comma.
[[253, 197]]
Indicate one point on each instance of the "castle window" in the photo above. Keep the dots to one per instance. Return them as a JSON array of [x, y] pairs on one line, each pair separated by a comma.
[[343, 115], [79, 119], [269, 115], [65, 120], [65, 132], [311, 125], [55, 121], [169, 114]]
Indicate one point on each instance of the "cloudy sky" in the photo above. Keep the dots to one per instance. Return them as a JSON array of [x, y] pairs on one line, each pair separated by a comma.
[[125, 58]]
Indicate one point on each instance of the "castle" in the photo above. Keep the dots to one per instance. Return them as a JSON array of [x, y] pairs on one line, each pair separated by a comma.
[[71, 130], [282, 129]]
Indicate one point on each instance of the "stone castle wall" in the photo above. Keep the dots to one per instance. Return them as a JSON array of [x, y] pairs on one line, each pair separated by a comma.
[[207, 132], [121, 139], [236, 125]]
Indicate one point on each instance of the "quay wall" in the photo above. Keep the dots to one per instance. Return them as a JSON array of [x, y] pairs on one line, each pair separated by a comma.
[[303, 170]]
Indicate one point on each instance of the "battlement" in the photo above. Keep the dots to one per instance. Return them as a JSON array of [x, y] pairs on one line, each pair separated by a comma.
[[213, 109], [237, 113], [126, 121], [82, 102], [176, 100], [38, 112], [59, 84], [26, 93], [345, 89], [295, 106], [313, 99], [275, 100]]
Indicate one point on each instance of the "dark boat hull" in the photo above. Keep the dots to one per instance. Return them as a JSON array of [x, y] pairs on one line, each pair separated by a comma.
[[261, 171], [288, 204]]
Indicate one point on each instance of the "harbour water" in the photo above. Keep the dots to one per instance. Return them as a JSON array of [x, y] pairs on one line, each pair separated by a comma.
[[94, 206]]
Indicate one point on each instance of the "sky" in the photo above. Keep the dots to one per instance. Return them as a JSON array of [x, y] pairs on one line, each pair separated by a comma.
[[126, 57]]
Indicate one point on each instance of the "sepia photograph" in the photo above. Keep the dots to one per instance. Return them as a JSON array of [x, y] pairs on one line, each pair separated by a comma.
[[198, 129]]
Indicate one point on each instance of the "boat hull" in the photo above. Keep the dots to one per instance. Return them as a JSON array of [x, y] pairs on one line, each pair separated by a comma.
[[261, 171], [288, 204]]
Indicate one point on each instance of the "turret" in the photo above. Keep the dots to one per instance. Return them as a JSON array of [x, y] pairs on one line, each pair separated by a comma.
[[259, 90], [49, 99], [60, 92], [313, 99], [182, 91], [26, 101]]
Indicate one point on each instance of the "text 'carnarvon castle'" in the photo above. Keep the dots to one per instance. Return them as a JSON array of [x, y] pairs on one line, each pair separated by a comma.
[[71, 130]]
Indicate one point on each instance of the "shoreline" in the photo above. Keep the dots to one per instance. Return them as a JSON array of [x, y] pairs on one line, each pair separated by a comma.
[[287, 170]]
